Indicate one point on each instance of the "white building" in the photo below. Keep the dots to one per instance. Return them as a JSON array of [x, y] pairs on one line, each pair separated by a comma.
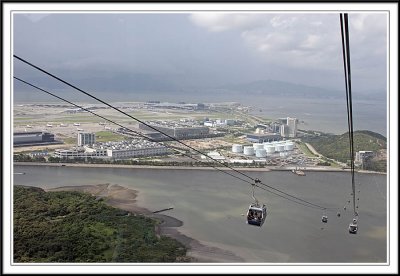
[[85, 138], [96, 151], [214, 155], [116, 153], [136, 152], [230, 122], [284, 131], [260, 130], [292, 125], [80, 153], [362, 154], [363, 157], [220, 123]]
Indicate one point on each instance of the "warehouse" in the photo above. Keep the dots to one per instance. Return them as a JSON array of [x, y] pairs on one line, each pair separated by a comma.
[[34, 138], [178, 131], [263, 137]]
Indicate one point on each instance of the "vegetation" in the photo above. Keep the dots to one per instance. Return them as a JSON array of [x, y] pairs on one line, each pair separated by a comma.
[[69, 140], [378, 165], [75, 227], [22, 157], [145, 161], [323, 163], [304, 149], [337, 146], [233, 137], [108, 136]]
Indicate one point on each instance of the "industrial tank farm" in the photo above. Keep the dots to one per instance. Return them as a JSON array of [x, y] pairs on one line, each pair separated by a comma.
[[269, 148], [263, 150], [248, 150], [289, 146], [279, 147], [237, 148], [261, 153], [258, 146]]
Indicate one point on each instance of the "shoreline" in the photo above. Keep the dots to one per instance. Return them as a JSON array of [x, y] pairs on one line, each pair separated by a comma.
[[125, 199], [84, 165]]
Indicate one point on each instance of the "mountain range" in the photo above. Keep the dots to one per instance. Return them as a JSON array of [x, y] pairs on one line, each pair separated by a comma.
[[142, 86]]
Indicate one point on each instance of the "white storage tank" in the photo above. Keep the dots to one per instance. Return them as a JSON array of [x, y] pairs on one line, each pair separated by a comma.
[[249, 150], [270, 149], [261, 153], [258, 146], [237, 148], [289, 146], [279, 147]]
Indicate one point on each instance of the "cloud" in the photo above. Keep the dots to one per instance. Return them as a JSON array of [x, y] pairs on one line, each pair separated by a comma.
[[283, 22], [35, 17], [304, 40], [205, 49], [218, 22]]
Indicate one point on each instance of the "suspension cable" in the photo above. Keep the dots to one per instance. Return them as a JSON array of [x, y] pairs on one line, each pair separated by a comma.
[[117, 109], [257, 181], [111, 121], [252, 195], [344, 27]]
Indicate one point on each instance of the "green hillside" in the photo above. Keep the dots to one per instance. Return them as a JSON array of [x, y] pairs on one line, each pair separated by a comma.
[[75, 227], [338, 148]]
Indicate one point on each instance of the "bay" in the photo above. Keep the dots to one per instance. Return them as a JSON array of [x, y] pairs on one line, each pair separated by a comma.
[[211, 205]]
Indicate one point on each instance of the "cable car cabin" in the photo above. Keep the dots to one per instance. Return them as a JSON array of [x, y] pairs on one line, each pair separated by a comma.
[[324, 219], [256, 214], [353, 227]]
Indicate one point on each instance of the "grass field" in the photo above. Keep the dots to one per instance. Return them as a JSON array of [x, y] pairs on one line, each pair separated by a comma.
[[305, 150], [69, 140], [108, 136]]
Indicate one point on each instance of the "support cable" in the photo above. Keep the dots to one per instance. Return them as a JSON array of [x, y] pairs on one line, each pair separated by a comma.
[[138, 120], [285, 195], [344, 27]]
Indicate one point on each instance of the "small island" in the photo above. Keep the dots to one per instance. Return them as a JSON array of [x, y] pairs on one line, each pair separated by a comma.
[[77, 227]]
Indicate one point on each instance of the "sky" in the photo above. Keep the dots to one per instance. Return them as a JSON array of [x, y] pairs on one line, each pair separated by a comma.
[[112, 51], [176, 51]]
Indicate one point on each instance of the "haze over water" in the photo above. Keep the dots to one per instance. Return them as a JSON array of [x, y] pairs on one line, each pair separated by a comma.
[[211, 205], [326, 115]]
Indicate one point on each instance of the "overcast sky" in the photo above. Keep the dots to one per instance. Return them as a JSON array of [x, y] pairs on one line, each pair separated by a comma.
[[203, 49]]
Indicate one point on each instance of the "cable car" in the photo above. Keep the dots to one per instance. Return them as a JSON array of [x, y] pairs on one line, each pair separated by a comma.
[[353, 227], [324, 219], [256, 214]]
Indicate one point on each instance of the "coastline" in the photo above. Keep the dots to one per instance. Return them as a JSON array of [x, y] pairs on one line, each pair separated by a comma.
[[125, 198], [195, 206], [278, 168]]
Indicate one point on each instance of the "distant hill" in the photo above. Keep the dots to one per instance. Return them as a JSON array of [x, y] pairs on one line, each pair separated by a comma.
[[135, 86], [337, 146], [281, 88], [288, 89]]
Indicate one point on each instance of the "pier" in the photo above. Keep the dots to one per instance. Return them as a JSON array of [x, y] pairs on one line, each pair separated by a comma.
[[162, 210]]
